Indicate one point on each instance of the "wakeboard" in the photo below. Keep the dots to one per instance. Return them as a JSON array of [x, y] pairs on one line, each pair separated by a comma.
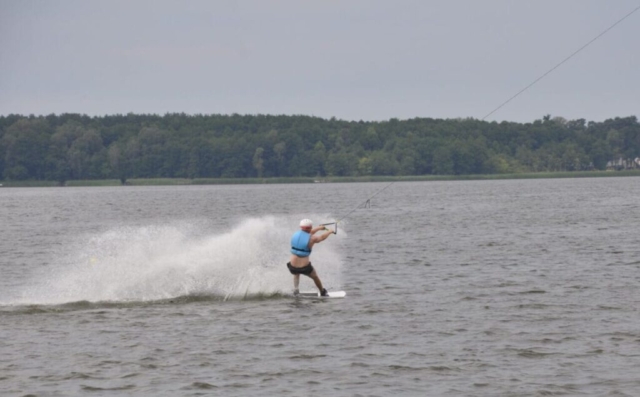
[[316, 294]]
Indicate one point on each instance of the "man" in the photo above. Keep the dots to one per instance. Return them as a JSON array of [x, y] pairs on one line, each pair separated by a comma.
[[302, 242]]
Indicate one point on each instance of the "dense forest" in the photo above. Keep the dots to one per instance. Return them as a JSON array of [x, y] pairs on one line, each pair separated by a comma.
[[73, 146]]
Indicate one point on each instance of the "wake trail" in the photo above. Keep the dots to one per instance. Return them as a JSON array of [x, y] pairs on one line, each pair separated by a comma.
[[151, 263]]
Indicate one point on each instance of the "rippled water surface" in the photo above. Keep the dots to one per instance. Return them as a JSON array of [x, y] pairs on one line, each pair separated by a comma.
[[478, 288]]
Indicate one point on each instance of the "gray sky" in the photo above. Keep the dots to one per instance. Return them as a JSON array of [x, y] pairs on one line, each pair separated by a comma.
[[349, 59]]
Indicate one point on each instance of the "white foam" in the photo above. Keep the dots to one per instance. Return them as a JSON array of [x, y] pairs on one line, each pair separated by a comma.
[[160, 262]]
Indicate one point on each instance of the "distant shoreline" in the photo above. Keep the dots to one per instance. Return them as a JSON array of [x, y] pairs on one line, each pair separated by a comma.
[[330, 179]]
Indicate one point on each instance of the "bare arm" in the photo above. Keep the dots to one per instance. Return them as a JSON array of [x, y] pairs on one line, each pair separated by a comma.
[[317, 229], [322, 237]]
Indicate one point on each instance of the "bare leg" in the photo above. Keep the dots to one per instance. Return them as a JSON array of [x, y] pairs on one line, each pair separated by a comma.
[[316, 279], [296, 281]]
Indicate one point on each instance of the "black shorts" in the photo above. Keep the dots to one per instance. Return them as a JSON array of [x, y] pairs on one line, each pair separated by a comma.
[[307, 270]]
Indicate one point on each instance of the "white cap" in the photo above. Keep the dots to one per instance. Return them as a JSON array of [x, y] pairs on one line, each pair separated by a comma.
[[306, 223]]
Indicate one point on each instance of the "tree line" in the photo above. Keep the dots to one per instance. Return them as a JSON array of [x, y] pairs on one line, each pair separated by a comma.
[[74, 146]]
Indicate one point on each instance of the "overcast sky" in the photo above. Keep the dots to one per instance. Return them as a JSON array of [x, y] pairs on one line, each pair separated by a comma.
[[349, 59]]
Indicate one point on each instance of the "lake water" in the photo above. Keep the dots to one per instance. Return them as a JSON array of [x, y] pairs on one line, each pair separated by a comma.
[[466, 288]]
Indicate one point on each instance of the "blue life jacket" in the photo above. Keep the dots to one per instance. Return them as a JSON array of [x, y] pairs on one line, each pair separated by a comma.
[[300, 243]]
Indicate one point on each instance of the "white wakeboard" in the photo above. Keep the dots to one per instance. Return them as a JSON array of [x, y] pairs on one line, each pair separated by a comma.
[[316, 294]]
